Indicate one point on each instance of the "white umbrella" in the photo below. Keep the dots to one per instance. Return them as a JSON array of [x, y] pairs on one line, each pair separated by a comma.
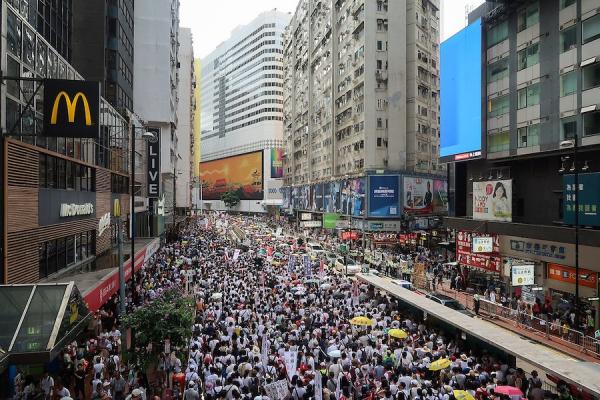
[[335, 354], [216, 296], [326, 286]]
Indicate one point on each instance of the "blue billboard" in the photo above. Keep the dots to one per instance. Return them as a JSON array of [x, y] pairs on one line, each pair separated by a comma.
[[461, 97], [589, 199], [384, 199]]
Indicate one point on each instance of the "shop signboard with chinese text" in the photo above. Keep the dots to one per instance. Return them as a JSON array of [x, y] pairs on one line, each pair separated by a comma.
[[482, 244], [566, 274], [523, 275], [487, 261], [589, 199]]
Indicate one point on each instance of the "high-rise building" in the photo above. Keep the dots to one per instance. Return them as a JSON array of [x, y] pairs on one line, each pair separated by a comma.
[[361, 89], [185, 116], [102, 47], [242, 112], [155, 82], [521, 122]]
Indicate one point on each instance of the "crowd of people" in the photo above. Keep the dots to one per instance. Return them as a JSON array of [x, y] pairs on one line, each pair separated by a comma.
[[269, 330]]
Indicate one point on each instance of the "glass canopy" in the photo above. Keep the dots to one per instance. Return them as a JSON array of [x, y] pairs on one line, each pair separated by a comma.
[[38, 320]]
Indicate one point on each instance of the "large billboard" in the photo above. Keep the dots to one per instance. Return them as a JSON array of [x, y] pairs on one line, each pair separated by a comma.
[[491, 261], [425, 195], [492, 200], [589, 199], [460, 88], [383, 196], [242, 173], [277, 163]]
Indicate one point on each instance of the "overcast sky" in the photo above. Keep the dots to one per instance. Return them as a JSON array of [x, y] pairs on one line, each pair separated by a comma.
[[213, 20]]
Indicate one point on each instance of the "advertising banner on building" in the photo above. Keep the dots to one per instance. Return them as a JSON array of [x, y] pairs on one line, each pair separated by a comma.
[[277, 163], [242, 174], [488, 261], [566, 274], [523, 275], [383, 196], [482, 244], [425, 196], [317, 197], [589, 199], [330, 220], [492, 200]]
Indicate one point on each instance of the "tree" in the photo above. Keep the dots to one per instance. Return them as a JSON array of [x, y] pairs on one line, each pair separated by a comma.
[[230, 198], [169, 316]]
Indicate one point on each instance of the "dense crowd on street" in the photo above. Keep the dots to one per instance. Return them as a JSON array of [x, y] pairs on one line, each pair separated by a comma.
[[266, 330]]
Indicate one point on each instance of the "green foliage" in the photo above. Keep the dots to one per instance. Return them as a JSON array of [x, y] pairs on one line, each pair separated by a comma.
[[230, 198], [170, 315]]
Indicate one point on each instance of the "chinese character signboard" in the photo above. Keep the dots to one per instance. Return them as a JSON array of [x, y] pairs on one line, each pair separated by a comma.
[[589, 199], [492, 200], [566, 274], [465, 256]]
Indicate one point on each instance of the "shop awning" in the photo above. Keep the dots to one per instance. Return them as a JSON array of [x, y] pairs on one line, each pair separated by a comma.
[[39, 320]]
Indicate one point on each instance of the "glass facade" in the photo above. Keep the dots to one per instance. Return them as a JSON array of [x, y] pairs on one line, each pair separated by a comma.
[[30, 55], [56, 255]]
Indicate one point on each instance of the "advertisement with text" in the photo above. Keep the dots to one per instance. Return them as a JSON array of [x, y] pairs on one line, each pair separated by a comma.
[[492, 200], [425, 196]]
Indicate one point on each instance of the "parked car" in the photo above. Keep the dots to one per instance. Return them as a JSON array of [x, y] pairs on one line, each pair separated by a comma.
[[403, 283], [315, 250], [349, 266], [450, 303]]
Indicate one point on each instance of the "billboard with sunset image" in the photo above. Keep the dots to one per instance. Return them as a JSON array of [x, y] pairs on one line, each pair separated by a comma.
[[242, 173]]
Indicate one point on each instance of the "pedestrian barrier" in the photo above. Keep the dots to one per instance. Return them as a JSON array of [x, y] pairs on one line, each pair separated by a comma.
[[554, 331]]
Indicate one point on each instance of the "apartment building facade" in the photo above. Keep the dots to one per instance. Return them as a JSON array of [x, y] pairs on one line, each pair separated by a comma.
[[242, 113], [155, 83], [540, 66], [361, 92]]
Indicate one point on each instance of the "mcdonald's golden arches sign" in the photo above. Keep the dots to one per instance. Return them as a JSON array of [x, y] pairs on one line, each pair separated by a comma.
[[71, 108]]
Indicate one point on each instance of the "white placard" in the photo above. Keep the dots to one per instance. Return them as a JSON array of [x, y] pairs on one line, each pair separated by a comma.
[[523, 275], [277, 390], [291, 361], [482, 244], [318, 386]]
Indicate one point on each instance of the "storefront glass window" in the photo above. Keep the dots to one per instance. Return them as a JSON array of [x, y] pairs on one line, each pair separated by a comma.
[[61, 254], [43, 259], [70, 250]]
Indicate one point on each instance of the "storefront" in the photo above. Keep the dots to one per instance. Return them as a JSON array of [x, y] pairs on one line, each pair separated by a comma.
[[481, 264]]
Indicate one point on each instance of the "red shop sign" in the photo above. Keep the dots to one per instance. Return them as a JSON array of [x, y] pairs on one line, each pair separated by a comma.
[[566, 274], [487, 261]]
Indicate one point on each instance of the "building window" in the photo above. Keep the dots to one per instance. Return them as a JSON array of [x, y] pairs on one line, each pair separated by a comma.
[[497, 70], [529, 56], [568, 39], [55, 255], [590, 29], [568, 128], [498, 106], [528, 17], [497, 34], [529, 136], [566, 3], [58, 173], [380, 45], [498, 142], [529, 96], [591, 123], [568, 83], [591, 76]]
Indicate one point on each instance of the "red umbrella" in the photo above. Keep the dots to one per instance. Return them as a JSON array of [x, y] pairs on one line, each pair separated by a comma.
[[508, 390]]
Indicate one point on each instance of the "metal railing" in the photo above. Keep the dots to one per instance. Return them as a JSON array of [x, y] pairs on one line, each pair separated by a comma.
[[555, 331]]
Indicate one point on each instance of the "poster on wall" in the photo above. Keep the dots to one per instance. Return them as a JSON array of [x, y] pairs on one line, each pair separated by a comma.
[[318, 197], [285, 192], [358, 187], [383, 196], [305, 197], [465, 256], [336, 196], [492, 200], [425, 196], [277, 163], [242, 174], [295, 200], [327, 203]]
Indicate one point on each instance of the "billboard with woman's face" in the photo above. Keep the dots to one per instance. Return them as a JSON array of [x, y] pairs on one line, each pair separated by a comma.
[[492, 200]]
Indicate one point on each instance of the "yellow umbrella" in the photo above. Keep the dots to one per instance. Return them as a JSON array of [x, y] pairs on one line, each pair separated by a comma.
[[398, 333], [463, 395], [363, 321], [440, 364]]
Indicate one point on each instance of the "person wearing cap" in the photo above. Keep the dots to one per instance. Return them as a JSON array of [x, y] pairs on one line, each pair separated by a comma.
[[137, 394]]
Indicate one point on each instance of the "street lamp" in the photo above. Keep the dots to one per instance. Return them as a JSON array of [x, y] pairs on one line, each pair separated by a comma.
[[575, 145], [150, 136]]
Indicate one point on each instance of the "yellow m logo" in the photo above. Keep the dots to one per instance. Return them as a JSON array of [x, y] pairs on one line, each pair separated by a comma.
[[71, 107], [117, 208]]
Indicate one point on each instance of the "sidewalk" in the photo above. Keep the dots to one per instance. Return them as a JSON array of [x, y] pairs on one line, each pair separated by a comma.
[[551, 341]]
